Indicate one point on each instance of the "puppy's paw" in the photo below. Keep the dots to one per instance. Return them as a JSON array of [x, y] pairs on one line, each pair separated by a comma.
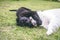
[[49, 32]]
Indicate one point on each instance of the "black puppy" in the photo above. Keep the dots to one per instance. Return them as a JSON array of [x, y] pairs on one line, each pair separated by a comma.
[[23, 15]]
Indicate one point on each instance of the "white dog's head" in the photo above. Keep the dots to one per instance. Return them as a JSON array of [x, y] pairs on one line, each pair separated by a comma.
[[33, 22]]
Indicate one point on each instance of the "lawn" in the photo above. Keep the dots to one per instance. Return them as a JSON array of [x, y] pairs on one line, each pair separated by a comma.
[[10, 31]]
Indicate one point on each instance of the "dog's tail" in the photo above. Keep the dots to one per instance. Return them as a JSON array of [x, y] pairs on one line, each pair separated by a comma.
[[12, 10]]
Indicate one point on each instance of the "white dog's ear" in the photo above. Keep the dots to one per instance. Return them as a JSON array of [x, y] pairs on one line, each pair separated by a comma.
[[33, 21]]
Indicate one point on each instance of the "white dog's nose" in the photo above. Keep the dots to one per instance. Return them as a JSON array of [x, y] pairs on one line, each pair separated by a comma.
[[33, 21]]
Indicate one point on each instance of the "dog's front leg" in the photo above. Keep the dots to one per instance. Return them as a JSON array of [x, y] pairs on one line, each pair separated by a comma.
[[51, 27]]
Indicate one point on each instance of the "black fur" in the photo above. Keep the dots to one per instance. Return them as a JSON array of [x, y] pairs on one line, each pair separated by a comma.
[[25, 12]]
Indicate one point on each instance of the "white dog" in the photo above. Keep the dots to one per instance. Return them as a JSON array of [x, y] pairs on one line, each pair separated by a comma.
[[50, 20]]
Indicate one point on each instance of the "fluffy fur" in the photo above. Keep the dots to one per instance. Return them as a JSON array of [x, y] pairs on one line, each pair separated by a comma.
[[50, 20]]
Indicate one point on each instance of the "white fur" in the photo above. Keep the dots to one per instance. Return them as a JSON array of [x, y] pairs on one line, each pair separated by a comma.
[[33, 21], [50, 20]]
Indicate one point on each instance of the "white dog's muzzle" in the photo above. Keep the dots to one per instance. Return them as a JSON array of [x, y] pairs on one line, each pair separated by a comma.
[[33, 22]]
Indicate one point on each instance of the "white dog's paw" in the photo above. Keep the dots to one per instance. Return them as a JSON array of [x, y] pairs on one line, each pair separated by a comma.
[[49, 33]]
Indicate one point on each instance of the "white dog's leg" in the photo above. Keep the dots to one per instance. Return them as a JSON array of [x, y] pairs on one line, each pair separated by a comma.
[[50, 30], [52, 27]]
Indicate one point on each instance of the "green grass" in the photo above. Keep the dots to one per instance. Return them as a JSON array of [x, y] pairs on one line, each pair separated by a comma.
[[10, 31]]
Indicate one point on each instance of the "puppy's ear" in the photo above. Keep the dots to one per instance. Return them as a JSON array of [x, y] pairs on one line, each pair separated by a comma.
[[25, 8]]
